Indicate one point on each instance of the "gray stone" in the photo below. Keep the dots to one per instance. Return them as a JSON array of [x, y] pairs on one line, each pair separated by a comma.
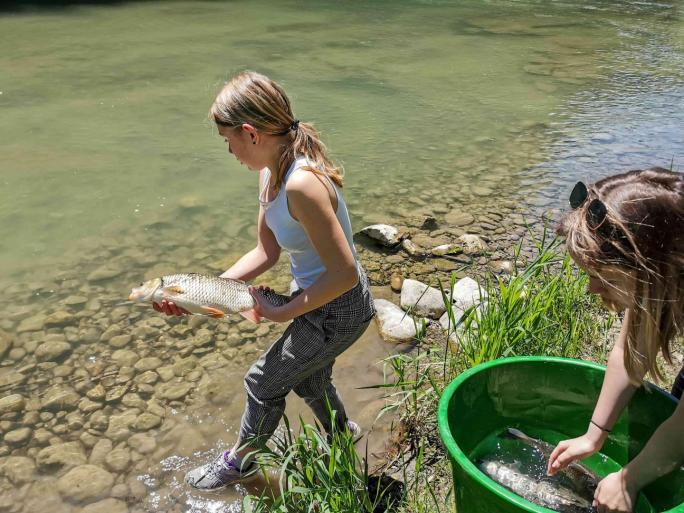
[[120, 340], [459, 218], [103, 274], [63, 455], [14, 402], [52, 351], [85, 483]]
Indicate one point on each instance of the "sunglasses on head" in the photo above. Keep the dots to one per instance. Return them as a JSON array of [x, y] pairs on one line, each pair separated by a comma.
[[596, 210]]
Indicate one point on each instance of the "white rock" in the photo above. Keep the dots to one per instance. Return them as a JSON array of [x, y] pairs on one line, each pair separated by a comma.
[[383, 233], [466, 293], [421, 299], [394, 324]]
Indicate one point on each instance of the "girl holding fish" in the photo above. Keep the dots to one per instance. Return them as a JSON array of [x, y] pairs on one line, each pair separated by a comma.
[[627, 232], [302, 211]]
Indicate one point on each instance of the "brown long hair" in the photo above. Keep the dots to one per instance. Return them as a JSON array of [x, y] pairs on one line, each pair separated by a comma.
[[643, 236], [253, 98]]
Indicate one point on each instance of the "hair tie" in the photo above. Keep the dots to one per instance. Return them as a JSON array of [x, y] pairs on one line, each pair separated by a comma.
[[295, 125]]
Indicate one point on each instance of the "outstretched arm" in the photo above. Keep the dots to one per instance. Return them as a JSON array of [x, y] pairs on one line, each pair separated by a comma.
[[616, 392]]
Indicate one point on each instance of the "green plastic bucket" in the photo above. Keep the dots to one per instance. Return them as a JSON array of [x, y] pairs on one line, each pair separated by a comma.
[[553, 399]]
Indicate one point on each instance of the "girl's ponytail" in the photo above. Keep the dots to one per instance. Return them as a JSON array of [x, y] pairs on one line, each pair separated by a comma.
[[253, 98]]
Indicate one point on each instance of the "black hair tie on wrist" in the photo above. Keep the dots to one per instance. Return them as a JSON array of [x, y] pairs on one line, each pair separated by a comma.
[[600, 427]]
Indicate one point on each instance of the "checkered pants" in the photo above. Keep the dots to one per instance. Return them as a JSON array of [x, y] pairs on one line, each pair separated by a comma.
[[301, 360]]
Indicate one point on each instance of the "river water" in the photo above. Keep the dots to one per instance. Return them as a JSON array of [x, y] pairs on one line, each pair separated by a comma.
[[111, 172]]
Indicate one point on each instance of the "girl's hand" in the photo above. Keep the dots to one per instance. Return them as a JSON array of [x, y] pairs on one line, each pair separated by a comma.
[[170, 308], [265, 308], [568, 451], [614, 494]]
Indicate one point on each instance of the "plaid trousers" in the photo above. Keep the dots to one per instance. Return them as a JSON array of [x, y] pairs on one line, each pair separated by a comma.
[[301, 359]]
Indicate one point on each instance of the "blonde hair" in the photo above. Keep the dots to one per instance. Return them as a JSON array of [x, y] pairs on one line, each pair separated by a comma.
[[253, 98], [642, 235]]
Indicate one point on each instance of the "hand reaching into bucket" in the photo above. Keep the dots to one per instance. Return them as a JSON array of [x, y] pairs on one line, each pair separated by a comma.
[[568, 451]]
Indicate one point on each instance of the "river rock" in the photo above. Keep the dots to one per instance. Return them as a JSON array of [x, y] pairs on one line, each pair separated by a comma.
[[34, 323], [18, 437], [421, 299], [146, 421], [52, 351], [118, 428], [411, 248], [118, 460], [174, 391], [125, 357], [5, 343], [109, 505], [459, 218], [396, 281], [394, 324], [146, 364], [142, 443], [467, 292], [60, 319], [14, 402], [18, 469], [103, 274], [60, 397], [446, 249], [119, 341], [63, 455], [473, 244], [85, 483], [99, 452], [384, 234]]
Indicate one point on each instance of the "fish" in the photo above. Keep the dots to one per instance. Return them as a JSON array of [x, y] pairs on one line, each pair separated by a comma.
[[542, 492], [569, 491], [199, 294], [584, 480]]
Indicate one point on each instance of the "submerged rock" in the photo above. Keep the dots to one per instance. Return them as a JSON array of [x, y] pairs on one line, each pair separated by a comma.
[[85, 483]]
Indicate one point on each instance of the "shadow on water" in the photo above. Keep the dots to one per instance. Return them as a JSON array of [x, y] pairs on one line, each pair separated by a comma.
[[30, 7]]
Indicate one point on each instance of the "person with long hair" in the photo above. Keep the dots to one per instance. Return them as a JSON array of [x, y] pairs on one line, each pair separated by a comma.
[[301, 210], [627, 232]]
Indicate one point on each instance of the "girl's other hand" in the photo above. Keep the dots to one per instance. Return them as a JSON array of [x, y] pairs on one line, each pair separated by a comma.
[[265, 308], [568, 451], [613, 494], [170, 308]]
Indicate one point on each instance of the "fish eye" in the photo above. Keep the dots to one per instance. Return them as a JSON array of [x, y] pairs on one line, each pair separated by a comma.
[[141, 284]]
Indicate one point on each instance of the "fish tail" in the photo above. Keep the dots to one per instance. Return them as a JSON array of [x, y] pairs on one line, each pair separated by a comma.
[[251, 315]]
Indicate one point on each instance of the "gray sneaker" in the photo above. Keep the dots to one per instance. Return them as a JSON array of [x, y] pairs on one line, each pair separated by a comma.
[[217, 474]]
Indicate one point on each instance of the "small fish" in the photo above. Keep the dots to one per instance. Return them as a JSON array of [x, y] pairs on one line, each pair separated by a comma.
[[199, 294], [583, 479], [543, 491]]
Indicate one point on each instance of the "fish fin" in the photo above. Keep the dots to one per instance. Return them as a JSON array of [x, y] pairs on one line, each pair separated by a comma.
[[516, 433], [213, 312], [251, 315], [174, 289]]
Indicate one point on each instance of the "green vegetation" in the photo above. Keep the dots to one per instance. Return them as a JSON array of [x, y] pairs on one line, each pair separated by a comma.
[[543, 309]]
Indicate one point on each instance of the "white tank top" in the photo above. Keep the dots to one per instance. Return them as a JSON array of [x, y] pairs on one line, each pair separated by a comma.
[[305, 263]]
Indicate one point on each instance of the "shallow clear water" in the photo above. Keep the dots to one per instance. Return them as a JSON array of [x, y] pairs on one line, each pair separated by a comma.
[[110, 172]]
